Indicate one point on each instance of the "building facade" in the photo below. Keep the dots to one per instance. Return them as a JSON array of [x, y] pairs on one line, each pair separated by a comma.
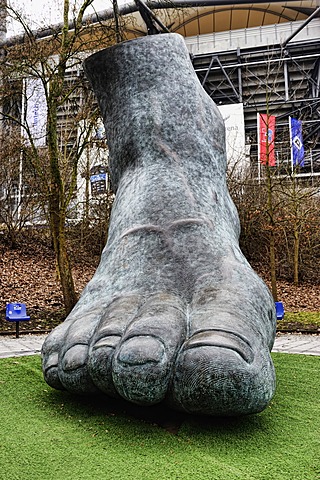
[[252, 58]]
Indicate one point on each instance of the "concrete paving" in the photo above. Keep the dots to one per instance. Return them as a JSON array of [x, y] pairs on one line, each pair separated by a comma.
[[285, 343], [24, 345], [297, 343]]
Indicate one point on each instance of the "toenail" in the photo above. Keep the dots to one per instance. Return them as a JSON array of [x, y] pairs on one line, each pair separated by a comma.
[[51, 361], [222, 339], [110, 341], [140, 350], [75, 357]]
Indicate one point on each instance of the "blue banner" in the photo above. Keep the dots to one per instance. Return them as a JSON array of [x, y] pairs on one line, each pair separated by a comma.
[[297, 147], [98, 178]]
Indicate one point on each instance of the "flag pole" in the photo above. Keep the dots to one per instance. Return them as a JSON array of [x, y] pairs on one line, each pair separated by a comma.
[[258, 132], [291, 146]]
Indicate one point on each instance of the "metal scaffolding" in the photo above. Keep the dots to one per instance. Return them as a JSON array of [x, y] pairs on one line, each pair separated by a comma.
[[282, 82]]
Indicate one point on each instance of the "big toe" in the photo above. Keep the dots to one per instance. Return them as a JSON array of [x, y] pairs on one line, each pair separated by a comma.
[[222, 375]]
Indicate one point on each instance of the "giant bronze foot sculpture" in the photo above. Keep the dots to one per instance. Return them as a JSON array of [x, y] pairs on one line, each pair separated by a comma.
[[174, 313]]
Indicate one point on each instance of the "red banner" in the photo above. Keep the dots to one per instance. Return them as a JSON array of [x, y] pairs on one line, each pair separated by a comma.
[[266, 135]]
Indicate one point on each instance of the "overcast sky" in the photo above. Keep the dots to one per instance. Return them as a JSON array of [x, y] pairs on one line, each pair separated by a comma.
[[46, 12]]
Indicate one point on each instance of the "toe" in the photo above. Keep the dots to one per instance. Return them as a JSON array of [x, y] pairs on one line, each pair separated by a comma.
[[50, 356], [111, 328], [65, 351], [73, 370], [141, 370], [142, 364], [73, 358], [50, 371], [222, 375]]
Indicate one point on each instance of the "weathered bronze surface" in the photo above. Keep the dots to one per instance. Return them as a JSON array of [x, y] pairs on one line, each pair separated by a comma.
[[174, 312]]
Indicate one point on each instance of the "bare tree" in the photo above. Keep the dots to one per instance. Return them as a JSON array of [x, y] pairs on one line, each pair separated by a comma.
[[49, 71]]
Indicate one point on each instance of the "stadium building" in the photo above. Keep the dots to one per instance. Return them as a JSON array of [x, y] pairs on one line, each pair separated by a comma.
[[259, 61]]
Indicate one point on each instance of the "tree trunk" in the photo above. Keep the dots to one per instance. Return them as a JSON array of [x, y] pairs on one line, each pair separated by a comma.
[[57, 210], [62, 259], [116, 15]]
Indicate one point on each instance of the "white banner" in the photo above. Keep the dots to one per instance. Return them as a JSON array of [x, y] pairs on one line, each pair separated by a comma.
[[36, 111], [235, 136]]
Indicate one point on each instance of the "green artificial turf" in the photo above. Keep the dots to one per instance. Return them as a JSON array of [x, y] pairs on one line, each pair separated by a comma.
[[51, 435]]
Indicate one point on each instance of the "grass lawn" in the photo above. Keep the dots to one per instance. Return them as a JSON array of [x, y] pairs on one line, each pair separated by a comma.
[[50, 435], [300, 321]]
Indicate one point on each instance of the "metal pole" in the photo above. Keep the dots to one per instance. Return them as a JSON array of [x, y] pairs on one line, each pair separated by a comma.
[[286, 79], [146, 14], [208, 71], [17, 329], [305, 23], [227, 77], [291, 146], [239, 76]]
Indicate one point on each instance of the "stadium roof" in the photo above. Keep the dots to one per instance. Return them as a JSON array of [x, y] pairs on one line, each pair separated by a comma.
[[198, 17]]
